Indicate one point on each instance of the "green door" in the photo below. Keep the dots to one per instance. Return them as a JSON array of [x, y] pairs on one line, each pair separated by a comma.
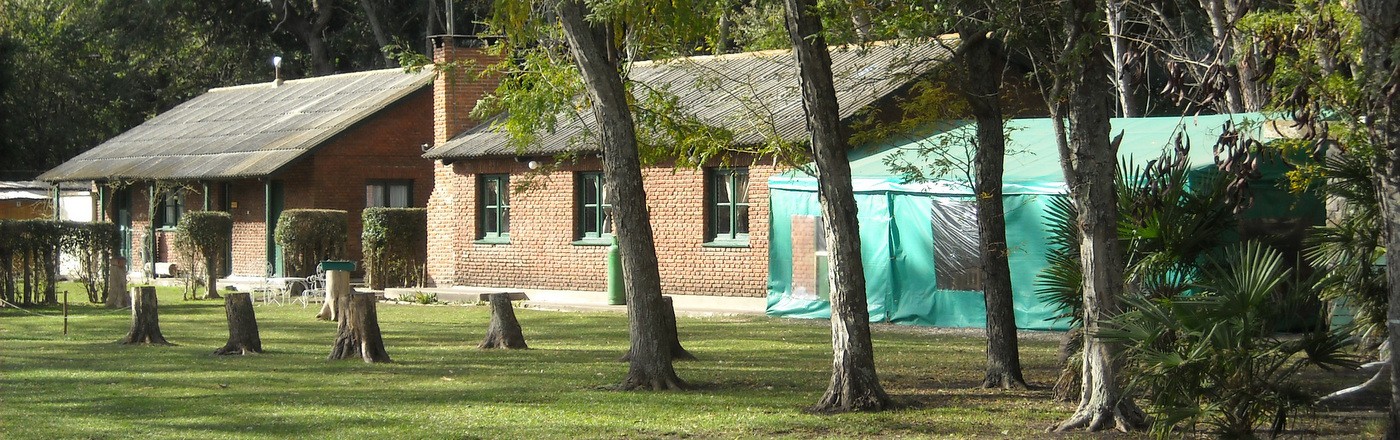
[[121, 202], [274, 210]]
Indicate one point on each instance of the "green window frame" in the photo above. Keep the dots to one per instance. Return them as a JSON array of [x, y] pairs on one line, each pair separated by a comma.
[[389, 194], [169, 210], [594, 209], [727, 203], [493, 207]]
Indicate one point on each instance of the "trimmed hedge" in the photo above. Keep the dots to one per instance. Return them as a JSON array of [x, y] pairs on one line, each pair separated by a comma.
[[395, 246], [310, 236], [203, 238], [29, 252]]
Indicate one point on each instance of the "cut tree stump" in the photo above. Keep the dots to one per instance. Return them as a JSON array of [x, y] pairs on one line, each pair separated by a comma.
[[504, 330], [116, 284], [337, 286], [357, 334], [668, 323], [145, 320], [242, 325]]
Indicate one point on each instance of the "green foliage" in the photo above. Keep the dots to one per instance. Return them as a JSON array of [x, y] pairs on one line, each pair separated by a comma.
[[395, 244], [93, 245], [422, 298], [1352, 247], [203, 238], [310, 236], [1212, 359]]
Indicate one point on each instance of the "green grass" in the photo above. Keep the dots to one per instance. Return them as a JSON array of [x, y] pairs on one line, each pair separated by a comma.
[[754, 378]]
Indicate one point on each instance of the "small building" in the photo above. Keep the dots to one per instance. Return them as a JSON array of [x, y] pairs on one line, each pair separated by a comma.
[[919, 239], [496, 220], [346, 142], [31, 199]]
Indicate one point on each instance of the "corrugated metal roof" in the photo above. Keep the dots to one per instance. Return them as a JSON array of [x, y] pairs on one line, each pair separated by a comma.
[[243, 131], [754, 95]]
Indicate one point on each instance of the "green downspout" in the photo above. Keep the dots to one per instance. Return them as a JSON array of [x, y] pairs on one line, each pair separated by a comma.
[[151, 237], [206, 195], [101, 203], [267, 223], [57, 202]]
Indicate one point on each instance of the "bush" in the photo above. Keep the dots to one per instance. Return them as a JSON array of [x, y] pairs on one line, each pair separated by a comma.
[[93, 245], [203, 238], [1212, 359], [310, 236], [29, 252], [395, 245]]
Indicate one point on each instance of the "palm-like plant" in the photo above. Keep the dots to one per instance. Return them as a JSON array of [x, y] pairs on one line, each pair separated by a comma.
[[1350, 247], [1211, 358]]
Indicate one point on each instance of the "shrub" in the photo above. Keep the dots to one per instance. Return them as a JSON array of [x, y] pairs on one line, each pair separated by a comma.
[[310, 236], [93, 245], [203, 239], [1212, 359], [395, 245], [30, 259]]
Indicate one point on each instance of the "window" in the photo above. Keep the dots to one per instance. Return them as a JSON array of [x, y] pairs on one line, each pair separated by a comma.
[[727, 221], [595, 211], [169, 209], [389, 194], [957, 259], [495, 207]]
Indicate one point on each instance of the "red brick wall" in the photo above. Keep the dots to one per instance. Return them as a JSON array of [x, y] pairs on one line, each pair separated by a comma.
[[456, 93], [541, 253]]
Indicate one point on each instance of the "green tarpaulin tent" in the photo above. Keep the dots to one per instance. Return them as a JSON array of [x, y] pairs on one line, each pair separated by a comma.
[[918, 240]]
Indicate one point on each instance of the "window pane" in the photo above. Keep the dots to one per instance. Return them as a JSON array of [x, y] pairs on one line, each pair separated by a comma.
[[741, 187], [590, 189], [374, 195], [607, 220], [722, 188], [741, 218], [489, 224], [722, 224], [491, 195], [505, 219], [398, 196], [503, 189]]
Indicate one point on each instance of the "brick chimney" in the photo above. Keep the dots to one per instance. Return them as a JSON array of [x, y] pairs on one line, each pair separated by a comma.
[[455, 94]]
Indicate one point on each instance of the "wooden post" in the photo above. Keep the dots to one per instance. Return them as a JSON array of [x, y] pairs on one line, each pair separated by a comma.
[[357, 334], [145, 320], [65, 313], [242, 325], [116, 284], [504, 329], [337, 286]]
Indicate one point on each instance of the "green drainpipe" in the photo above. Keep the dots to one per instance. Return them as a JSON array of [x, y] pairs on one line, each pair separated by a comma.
[[617, 292]]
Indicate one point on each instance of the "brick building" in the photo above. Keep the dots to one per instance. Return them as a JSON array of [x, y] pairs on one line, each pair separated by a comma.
[[336, 142], [497, 219]]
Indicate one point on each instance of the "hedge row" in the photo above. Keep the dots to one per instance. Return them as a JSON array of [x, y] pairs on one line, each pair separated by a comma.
[[310, 236], [395, 241], [29, 251]]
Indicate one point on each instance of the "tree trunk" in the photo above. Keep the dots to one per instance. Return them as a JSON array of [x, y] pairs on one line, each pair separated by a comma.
[[211, 277], [504, 329], [650, 366], [357, 334], [242, 325], [337, 287], [1380, 88], [309, 30], [982, 65], [1090, 175], [1123, 80], [855, 386], [668, 317], [116, 284], [380, 37], [145, 320]]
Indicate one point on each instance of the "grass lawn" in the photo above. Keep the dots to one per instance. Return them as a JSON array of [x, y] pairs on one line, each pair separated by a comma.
[[754, 377]]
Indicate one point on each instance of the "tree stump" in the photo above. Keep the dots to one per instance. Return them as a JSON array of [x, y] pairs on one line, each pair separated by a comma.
[[242, 325], [116, 284], [357, 335], [145, 320], [504, 329], [337, 287], [668, 323]]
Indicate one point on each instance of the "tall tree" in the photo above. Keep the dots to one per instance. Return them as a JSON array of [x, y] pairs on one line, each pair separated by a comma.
[[1379, 78], [308, 22], [855, 386], [650, 363], [1083, 98]]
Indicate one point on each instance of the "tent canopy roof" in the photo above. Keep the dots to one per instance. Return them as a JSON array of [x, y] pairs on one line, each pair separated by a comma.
[[1033, 158]]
